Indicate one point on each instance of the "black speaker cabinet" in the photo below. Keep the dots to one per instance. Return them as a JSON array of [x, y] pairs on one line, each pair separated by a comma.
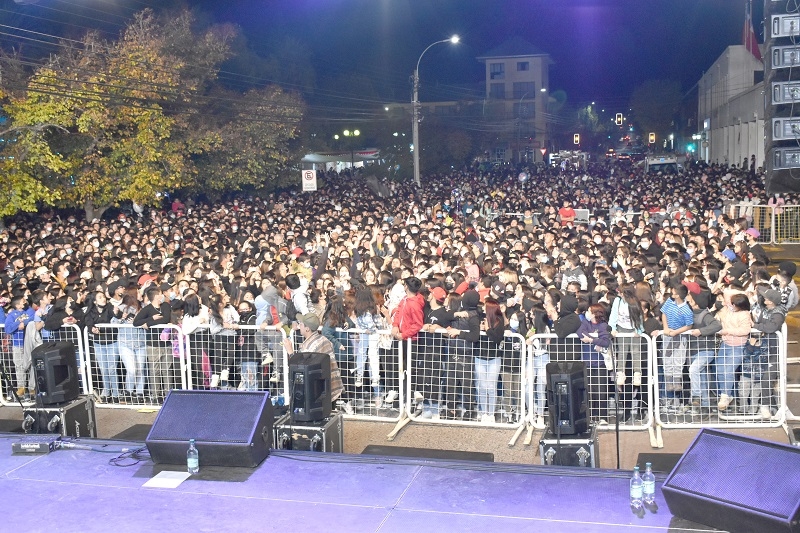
[[566, 397], [56, 369], [309, 386], [736, 483], [231, 428]]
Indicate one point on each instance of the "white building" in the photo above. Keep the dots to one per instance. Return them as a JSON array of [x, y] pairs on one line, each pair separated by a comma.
[[731, 109]]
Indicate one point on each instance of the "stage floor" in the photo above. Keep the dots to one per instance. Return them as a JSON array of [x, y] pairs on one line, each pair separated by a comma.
[[79, 490]]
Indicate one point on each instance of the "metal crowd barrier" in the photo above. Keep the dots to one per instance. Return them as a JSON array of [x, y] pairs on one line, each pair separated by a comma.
[[371, 365], [776, 225], [451, 382], [134, 367], [694, 373], [609, 401]]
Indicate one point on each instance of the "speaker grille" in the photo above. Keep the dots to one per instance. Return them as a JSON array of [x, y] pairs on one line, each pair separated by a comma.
[[227, 417], [734, 471]]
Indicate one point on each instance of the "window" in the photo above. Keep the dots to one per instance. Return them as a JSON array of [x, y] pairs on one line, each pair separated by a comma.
[[500, 154], [524, 109], [497, 90], [497, 71], [523, 66], [524, 89]]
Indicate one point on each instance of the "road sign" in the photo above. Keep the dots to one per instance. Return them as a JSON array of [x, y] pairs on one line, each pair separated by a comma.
[[309, 180]]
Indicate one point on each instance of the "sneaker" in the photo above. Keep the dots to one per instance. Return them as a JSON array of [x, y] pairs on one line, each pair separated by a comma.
[[602, 422], [345, 406], [724, 402], [487, 419], [418, 397], [391, 397], [21, 392], [538, 423], [359, 381], [766, 412], [274, 378], [637, 379], [427, 412], [621, 378], [267, 359], [378, 402]]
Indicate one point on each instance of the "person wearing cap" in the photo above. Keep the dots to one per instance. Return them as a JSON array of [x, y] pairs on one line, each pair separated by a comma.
[[702, 351], [768, 318], [314, 342], [751, 235], [430, 349], [784, 281]]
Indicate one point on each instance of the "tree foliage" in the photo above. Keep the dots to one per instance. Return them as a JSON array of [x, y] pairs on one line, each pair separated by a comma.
[[104, 122]]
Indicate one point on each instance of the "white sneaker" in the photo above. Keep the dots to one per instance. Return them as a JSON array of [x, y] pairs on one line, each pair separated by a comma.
[[359, 381], [620, 378], [637, 379], [724, 402], [391, 397], [539, 423], [274, 378], [418, 397], [378, 402], [214, 381], [766, 413], [344, 406], [267, 359], [487, 419]]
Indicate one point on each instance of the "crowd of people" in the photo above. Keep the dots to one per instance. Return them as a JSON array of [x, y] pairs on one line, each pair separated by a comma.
[[464, 267]]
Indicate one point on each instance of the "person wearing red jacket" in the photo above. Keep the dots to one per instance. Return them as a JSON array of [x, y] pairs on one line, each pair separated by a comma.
[[408, 316]]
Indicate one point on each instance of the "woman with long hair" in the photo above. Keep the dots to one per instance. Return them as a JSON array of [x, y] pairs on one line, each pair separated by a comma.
[[132, 347], [736, 324], [224, 320], [335, 326], [194, 325], [104, 342], [488, 358], [627, 319], [365, 311]]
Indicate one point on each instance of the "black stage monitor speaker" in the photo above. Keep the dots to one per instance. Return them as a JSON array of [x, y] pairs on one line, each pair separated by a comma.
[[310, 386], [566, 397], [231, 428], [736, 483], [56, 370]]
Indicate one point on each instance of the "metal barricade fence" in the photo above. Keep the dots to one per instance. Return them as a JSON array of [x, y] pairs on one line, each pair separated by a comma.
[[134, 367], [454, 381], [7, 367], [778, 225], [787, 224], [613, 388], [371, 366], [727, 386], [252, 359]]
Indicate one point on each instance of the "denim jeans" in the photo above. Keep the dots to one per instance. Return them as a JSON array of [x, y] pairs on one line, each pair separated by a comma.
[[486, 373], [698, 376], [537, 378], [249, 371], [728, 360], [133, 359], [107, 359], [366, 348]]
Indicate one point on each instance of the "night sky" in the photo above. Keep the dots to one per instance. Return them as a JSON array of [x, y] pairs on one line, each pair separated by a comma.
[[602, 49]]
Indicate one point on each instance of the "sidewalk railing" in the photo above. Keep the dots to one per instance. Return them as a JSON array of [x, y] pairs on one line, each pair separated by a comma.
[[776, 225]]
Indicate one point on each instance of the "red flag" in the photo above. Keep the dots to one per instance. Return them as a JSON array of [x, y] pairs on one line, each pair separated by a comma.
[[749, 39]]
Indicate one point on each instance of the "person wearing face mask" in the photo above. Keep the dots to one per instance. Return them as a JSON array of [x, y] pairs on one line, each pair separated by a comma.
[[156, 313]]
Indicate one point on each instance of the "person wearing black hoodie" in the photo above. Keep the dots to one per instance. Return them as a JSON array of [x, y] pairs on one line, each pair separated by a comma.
[[568, 322], [464, 334], [104, 342]]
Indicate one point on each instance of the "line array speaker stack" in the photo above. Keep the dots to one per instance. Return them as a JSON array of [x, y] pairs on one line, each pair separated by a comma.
[[782, 95]]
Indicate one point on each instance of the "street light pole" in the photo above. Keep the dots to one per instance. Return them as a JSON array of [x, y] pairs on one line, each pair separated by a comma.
[[415, 108]]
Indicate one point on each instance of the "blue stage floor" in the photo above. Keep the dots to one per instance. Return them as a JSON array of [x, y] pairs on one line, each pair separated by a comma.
[[78, 490]]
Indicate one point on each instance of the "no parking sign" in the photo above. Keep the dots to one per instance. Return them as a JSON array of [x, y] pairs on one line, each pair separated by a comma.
[[309, 180]]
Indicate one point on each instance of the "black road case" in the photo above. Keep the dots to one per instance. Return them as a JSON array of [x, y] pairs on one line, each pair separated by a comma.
[[327, 435], [571, 450], [71, 419]]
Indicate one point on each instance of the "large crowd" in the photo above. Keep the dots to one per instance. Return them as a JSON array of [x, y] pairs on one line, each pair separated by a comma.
[[471, 251]]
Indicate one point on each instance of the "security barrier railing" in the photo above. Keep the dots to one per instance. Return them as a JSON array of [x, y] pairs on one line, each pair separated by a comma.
[[457, 382], [436, 380], [618, 387], [371, 365], [776, 225], [742, 385]]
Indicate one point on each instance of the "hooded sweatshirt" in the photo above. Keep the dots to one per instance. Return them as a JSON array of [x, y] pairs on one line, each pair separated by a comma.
[[568, 321]]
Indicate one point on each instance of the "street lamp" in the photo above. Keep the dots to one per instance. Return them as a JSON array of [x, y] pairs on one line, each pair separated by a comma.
[[349, 133], [519, 127], [415, 108]]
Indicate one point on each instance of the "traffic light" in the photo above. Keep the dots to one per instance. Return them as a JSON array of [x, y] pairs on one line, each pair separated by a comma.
[[576, 139], [618, 119], [651, 138]]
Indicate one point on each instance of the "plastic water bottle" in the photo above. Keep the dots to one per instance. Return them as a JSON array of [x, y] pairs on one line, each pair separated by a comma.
[[648, 485], [636, 489], [192, 458]]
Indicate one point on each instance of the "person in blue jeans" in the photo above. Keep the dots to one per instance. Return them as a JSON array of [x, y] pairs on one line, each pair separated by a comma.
[[736, 324], [702, 350]]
